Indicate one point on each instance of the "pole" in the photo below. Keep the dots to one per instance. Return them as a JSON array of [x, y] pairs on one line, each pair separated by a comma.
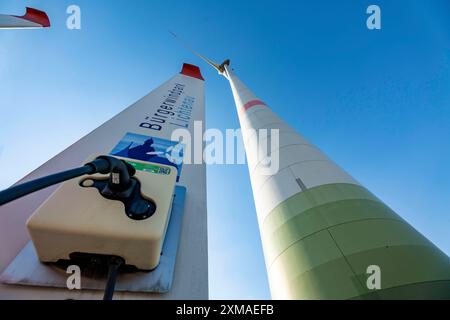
[[324, 235]]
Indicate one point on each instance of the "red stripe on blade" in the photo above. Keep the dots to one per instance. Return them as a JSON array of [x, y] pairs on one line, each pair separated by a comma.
[[191, 71], [36, 16]]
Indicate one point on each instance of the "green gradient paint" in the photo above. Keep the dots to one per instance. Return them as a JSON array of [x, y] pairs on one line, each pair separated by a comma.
[[153, 168], [319, 243]]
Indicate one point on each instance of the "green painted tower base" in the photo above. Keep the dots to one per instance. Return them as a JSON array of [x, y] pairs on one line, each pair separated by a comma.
[[319, 243]]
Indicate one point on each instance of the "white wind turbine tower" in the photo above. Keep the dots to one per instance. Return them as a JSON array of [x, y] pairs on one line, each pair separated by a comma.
[[323, 233]]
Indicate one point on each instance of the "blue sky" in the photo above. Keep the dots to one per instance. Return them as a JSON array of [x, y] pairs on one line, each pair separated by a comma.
[[377, 102]]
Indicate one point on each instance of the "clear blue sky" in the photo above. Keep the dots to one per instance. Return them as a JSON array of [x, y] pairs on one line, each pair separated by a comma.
[[377, 102]]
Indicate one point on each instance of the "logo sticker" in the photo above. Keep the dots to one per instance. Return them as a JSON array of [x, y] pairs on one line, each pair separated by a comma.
[[151, 149]]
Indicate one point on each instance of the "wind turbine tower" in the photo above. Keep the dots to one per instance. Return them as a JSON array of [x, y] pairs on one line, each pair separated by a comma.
[[324, 235]]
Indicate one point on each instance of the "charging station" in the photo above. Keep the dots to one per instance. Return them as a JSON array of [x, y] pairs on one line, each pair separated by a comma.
[[79, 219], [160, 231]]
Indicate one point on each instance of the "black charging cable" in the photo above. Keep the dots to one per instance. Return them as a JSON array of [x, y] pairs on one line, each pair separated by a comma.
[[120, 172], [114, 264], [102, 164]]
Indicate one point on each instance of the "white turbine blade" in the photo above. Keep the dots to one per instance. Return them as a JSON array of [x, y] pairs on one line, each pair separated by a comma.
[[32, 19], [208, 61]]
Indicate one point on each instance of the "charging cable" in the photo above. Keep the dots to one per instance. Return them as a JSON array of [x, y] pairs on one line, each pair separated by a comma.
[[103, 165]]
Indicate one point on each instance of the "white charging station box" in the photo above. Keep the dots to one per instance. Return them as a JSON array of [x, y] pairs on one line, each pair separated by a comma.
[[77, 219]]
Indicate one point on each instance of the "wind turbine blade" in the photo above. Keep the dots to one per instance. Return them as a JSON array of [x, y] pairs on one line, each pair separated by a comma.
[[187, 46], [33, 19]]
